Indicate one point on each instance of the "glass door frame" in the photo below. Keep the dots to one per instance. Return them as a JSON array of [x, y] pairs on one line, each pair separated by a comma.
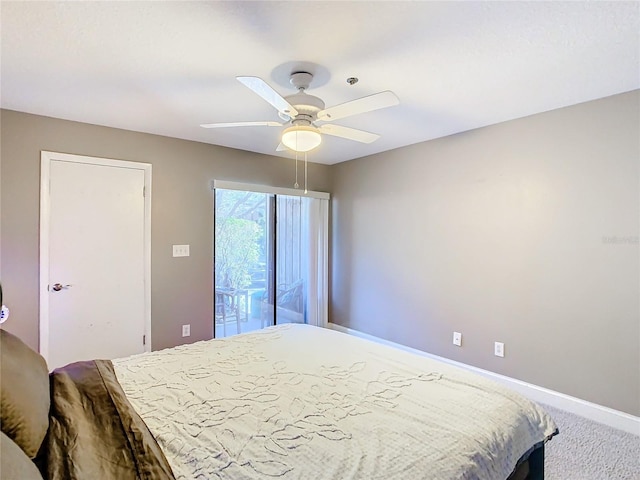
[[272, 241]]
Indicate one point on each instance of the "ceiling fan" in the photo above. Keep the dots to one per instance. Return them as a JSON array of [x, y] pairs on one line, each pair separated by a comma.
[[307, 116]]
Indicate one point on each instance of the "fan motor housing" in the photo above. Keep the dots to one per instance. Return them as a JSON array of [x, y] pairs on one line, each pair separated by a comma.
[[306, 104]]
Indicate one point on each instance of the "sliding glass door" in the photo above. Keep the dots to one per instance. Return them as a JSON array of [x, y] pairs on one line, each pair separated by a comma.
[[287, 300], [243, 259], [269, 260]]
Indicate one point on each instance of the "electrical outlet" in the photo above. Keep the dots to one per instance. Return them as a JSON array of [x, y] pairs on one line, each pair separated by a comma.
[[498, 349], [186, 330], [181, 250], [457, 339]]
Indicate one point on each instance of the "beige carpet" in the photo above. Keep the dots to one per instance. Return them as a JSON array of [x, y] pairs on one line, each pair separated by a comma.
[[586, 450]]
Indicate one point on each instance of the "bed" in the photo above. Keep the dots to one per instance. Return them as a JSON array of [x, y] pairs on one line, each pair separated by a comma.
[[287, 402]]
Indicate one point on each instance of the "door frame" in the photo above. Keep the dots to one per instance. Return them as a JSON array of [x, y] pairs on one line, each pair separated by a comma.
[[46, 158]]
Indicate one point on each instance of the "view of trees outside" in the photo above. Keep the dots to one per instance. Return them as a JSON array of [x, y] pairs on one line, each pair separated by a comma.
[[245, 232], [240, 249]]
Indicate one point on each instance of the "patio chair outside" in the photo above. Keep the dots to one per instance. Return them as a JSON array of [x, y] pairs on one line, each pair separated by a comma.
[[289, 305], [226, 310]]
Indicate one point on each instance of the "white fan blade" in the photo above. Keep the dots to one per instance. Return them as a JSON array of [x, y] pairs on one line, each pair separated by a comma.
[[263, 89], [242, 124], [360, 105], [349, 133]]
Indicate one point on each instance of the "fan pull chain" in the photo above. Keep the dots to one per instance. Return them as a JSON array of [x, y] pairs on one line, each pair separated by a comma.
[[295, 185], [305, 173]]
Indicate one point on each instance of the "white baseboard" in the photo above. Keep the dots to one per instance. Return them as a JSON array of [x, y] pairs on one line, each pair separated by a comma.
[[593, 411]]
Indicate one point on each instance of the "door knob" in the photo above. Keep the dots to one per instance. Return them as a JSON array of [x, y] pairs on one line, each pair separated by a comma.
[[58, 286]]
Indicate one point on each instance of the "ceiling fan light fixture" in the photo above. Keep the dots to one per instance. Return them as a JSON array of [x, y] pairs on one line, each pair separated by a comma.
[[301, 138]]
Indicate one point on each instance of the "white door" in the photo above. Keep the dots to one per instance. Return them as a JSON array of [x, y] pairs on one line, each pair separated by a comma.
[[94, 258]]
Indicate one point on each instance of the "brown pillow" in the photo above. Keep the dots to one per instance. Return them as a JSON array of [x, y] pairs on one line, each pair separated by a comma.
[[24, 399], [14, 463]]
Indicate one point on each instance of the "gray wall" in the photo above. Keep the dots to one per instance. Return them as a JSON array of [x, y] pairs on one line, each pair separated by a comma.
[[524, 232], [182, 203]]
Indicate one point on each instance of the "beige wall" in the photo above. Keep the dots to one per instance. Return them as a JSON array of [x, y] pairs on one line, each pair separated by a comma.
[[181, 213], [505, 233]]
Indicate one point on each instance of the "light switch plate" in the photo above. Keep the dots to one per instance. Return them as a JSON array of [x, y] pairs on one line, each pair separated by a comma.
[[186, 330], [457, 339], [181, 250], [498, 349]]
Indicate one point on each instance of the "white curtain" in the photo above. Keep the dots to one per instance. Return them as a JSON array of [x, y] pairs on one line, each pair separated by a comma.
[[315, 237]]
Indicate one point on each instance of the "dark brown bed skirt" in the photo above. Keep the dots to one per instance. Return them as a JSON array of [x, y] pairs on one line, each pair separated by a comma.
[[531, 466]]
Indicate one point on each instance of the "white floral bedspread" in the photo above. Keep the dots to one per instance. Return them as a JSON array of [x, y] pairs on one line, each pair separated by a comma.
[[302, 402]]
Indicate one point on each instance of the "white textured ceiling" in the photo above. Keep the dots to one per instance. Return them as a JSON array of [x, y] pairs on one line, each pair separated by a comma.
[[166, 67]]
